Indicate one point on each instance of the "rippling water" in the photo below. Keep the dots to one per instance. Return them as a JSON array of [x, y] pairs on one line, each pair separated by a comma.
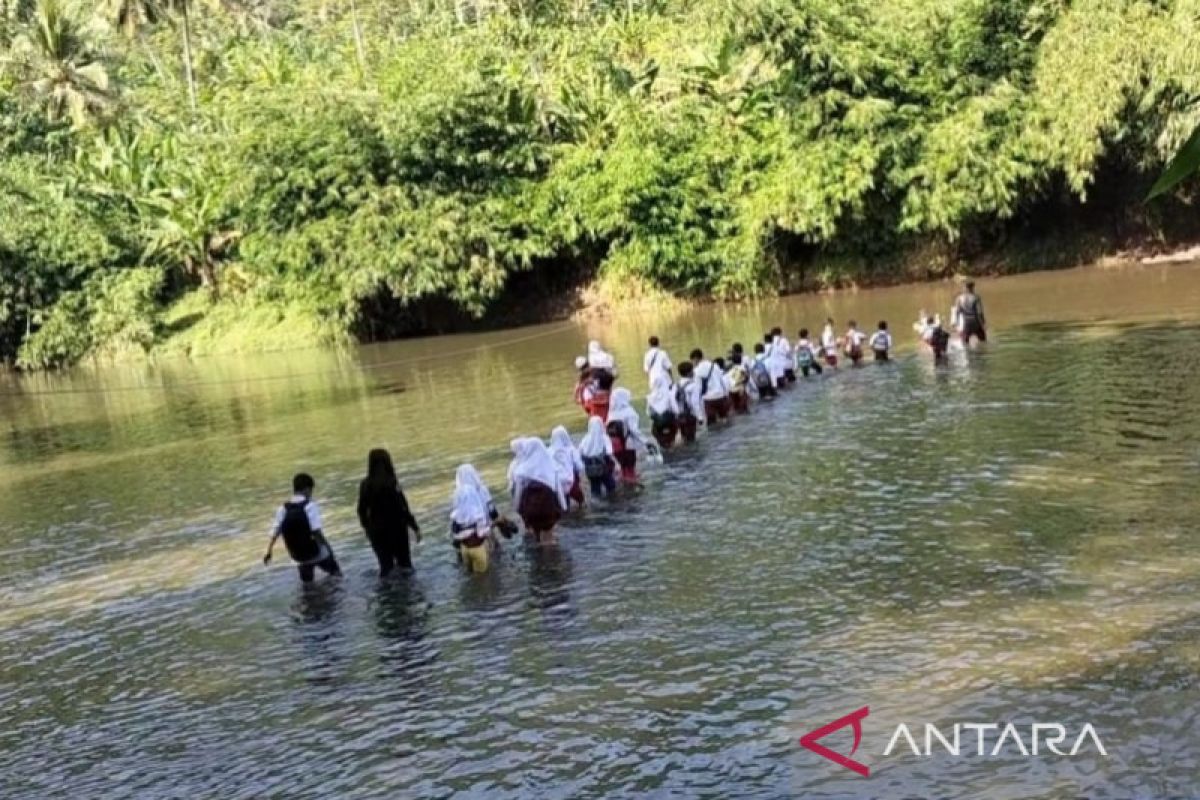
[[1011, 536]]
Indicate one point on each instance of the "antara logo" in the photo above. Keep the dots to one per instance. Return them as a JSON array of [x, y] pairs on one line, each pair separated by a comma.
[[809, 740], [1043, 738]]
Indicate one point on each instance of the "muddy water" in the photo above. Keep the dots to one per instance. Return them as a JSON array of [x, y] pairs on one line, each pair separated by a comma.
[[1011, 537]]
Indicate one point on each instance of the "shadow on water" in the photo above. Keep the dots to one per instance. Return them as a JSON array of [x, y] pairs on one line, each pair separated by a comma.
[[319, 629], [551, 572], [401, 612]]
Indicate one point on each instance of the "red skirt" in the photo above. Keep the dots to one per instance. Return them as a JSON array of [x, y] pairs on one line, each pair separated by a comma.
[[539, 508]]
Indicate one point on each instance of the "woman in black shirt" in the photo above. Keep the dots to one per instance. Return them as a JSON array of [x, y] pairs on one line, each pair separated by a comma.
[[384, 514]]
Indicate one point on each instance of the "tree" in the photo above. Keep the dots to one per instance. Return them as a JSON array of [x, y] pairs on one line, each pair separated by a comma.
[[56, 59]]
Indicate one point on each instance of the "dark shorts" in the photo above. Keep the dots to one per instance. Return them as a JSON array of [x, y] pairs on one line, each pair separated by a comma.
[[741, 402], [687, 427], [881, 355], [714, 409]]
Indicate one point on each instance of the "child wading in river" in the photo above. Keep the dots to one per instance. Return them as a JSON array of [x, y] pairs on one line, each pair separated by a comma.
[[690, 401], [881, 342], [473, 519], [599, 465], [806, 355], [853, 342], [662, 406], [624, 431], [298, 521], [829, 344]]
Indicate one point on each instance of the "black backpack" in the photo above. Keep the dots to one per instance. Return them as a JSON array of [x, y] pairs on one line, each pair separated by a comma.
[[940, 339], [595, 466], [297, 533], [616, 429]]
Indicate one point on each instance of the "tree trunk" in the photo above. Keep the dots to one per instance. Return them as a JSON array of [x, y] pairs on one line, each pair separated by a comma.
[[188, 73], [359, 50]]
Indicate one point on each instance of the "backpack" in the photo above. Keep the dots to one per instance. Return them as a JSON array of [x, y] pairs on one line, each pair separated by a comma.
[[685, 408], [804, 356], [595, 466], [298, 533], [738, 377], [762, 377], [940, 339]]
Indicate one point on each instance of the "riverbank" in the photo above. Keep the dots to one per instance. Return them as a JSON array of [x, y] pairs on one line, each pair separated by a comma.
[[195, 327]]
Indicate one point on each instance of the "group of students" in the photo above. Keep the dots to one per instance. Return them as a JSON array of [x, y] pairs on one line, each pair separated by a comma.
[[547, 479]]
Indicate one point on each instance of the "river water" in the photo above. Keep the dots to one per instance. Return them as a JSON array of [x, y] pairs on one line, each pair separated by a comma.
[[1009, 537]]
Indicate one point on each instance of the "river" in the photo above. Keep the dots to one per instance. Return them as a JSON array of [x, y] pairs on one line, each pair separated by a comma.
[[1011, 536]]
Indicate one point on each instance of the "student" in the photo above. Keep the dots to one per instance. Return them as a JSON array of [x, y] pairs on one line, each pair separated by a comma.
[[384, 514], [881, 342], [781, 350], [690, 401], [585, 383], [533, 480], [969, 307], [760, 372], [624, 430], [829, 344], [598, 397], [598, 358], [662, 406], [738, 350], [596, 450], [806, 355], [656, 359], [936, 337], [472, 518], [853, 342], [569, 463], [298, 521], [739, 384], [774, 365], [713, 388]]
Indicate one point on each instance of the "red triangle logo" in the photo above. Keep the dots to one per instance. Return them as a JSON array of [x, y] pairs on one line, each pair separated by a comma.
[[811, 739]]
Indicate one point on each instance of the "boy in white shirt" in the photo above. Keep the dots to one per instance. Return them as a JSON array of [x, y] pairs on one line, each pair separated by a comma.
[[691, 402], [298, 521], [853, 342], [714, 388], [655, 358], [881, 342]]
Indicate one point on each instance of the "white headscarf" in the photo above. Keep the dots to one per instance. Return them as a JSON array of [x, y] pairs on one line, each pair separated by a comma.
[[532, 462], [620, 408], [566, 457], [595, 442], [597, 358], [471, 498], [662, 393]]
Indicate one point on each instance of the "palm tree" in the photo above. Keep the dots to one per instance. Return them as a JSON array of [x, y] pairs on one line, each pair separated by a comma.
[[129, 16], [55, 58]]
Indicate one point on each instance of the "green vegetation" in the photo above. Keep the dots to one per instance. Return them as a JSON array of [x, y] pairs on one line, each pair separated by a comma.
[[289, 171]]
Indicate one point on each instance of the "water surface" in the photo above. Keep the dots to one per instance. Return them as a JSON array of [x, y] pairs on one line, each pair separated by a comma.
[[1010, 536]]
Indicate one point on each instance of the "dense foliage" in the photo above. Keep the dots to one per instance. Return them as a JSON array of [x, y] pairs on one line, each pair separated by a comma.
[[167, 165]]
